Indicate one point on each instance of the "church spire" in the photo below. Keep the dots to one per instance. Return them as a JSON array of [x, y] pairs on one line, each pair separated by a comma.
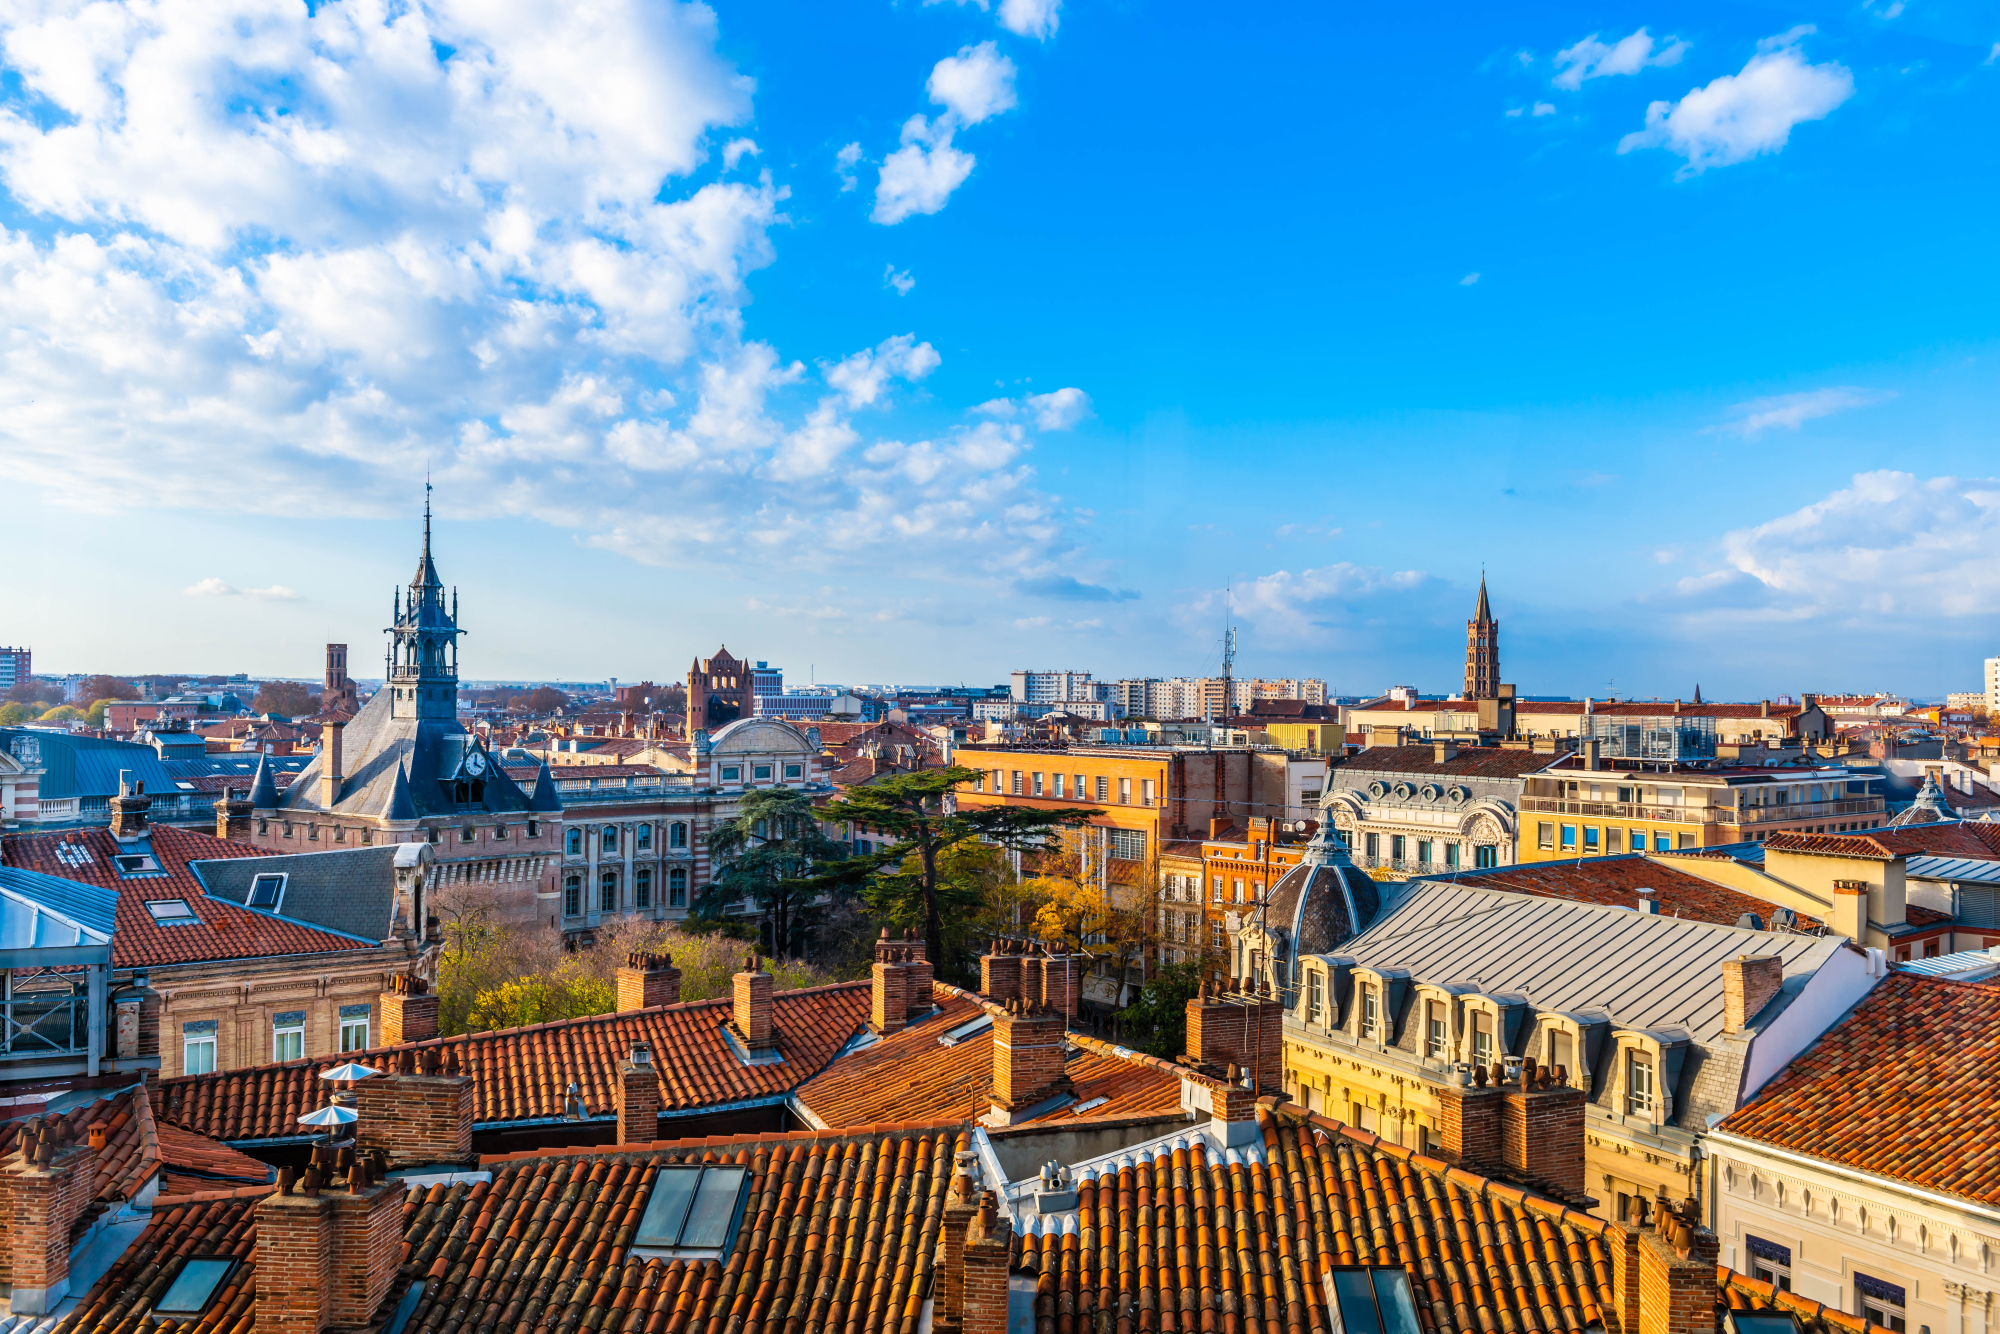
[[1482, 650], [1482, 612], [423, 660]]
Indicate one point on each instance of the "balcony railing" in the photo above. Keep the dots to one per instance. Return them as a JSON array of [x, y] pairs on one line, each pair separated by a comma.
[[1811, 810], [1737, 815]]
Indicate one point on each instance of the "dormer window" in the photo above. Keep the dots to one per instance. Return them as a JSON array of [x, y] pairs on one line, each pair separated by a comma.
[[1437, 1032], [172, 912], [1482, 1038], [136, 863], [1371, 1012], [1315, 996], [267, 891], [1641, 1094]]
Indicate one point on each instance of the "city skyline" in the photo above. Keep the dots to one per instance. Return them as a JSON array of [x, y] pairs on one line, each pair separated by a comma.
[[793, 344]]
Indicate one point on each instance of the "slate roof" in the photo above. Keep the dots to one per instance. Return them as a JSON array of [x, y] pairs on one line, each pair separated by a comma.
[[912, 1076], [223, 930], [1470, 762], [1642, 971], [1922, 1051], [522, 1073], [379, 750], [344, 889], [1614, 882], [84, 766]]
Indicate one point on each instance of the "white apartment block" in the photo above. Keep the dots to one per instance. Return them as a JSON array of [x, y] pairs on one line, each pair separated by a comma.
[[1033, 687]]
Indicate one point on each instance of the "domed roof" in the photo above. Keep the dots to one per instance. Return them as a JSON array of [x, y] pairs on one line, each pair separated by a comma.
[[1325, 900], [1930, 807]]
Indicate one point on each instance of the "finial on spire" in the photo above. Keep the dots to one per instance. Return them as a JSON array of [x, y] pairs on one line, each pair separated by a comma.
[[427, 517]]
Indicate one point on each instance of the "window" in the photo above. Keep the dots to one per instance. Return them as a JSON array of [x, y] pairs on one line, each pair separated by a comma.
[[732, 773], [795, 771], [1562, 1052], [607, 892], [172, 912], [1103, 788], [499, 833], [467, 834], [1590, 838], [1128, 844], [1371, 1299], [1218, 889], [1485, 856], [1237, 885], [196, 1285], [288, 1035], [1437, 1036], [642, 887], [1638, 1084], [1037, 776], [610, 838], [1482, 1037], [1685, 840], [1315, 995], [1569, 838], [1078, 791], [677, 887], [1056, 786], [1451, 856], [354, 1028], [1638, 840], [1145, 792], [572, 895], [642, 838], [694, 1208], [1397, 846], [266, 891], [136, 863], [198, 1047], [1371, 1013], [1014, 781], [1881, 1303], [1215, 939], [677, 835], [1614, 840], [1770, 1262], [1124, 792], [1374, 845], [573, 842], [1423, 852], [1545, 836], [1624, 796]]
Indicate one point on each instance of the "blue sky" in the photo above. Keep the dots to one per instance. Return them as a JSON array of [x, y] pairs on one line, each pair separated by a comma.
[[921, 342]]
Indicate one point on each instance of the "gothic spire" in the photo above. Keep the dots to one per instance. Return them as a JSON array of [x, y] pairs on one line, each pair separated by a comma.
[[1482, 612], [426, 583]]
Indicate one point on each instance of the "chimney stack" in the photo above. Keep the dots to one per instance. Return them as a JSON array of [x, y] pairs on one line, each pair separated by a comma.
[[136, 1020], [1028, 1060], [1541, 1128], [638, 1097], [647, 979], [1749, 981], [1469, 1122], [43, 1192], [326, 1258], [128, 808], [232, 816], [416, 1119], [1443, 751], [890, 1007], [1850, 910], [1000, 973], [753, 1006], [988, 1240], [409, 1011], [330, 775], [1235, 1029]]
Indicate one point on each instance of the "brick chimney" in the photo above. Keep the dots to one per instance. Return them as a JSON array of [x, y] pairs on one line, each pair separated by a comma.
[[1541, 1128], [232, 816], [1676, 1277], [961, 1203], [890, 1004], [44, 1189], [326, 1258], [409, 1011], [135, 1021], [638, 1097], [1232, 1110], [1226, 1026], [1749, 981], [1000, 973], [330, 774], [417, 1119], [922, 971], [647, 979], [128, 808], [1028, 1059], [1469, 1122], [987, 1242], [1062, 980], [753, 1006]]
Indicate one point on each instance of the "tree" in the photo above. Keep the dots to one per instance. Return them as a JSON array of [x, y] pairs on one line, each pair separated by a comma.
[[1156, 1023], [61, 713], [976, 895], [543, 700], [775, 854], [288, 698], [35, 692], [94, 688], [13, 713], [915, 811]]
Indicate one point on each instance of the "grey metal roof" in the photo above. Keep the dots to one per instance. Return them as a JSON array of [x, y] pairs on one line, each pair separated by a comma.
[[78, 766], [1641, 970], [382, 754], [50, 921], [350, 890], [1966, 965], [1978, 870]]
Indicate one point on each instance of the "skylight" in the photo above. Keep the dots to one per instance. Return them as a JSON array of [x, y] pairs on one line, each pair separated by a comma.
[[171, 912], [266, 890], [694, 1209], [136, 863], [1366, 1299], [194, 1288]]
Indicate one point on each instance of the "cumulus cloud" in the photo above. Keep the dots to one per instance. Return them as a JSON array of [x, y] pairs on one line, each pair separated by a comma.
[[1057, 411], [363, 239], [919, 177], [1031, 18], [1594, 59], [1888, 543], [1740, 116], [844, 163], [1794, 410], [898, 279]]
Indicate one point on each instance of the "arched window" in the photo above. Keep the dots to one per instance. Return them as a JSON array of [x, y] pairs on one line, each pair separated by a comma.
[[642, 887], [677, 887], [607, 892], [677, 835], [572, 895]]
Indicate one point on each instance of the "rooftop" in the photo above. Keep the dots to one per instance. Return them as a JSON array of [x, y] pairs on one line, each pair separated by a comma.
[[1469, 762], [1615, 882]]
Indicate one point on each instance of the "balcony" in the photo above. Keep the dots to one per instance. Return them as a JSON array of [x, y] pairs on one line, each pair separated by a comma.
[[1812, 810], [1744, 815]]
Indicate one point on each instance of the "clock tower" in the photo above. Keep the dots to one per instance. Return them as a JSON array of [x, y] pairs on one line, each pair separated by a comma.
[[422, 665]]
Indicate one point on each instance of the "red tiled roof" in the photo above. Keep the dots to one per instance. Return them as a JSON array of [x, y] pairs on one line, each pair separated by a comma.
[[1470, 762], [1902, 1087], [136, 1147], [1978, 838], [190, 1162], [519, 1073], [1613, 881], [224, 930], [1739, 1292], [209, 1223], [912, 1075]]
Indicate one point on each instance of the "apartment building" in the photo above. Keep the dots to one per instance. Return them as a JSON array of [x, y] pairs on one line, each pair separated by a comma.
[[1419, 810]]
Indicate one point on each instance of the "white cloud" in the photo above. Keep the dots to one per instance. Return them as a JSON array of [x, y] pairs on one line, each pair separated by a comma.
[[919, 177], [901, 281], [1545, 109], [358, 240], [213, 587], [1993, 55], [1060, 410], [1887, 544], [1593, 59], [1742, 115], [844, 163], [1794, 410], [275, 593], [976, 83], [1315, 605], [1468, 280], [1031, 18]]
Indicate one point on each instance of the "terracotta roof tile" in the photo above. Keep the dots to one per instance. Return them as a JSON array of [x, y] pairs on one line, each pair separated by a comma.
[[1924, 1050], [520, 1073], [1470, 762], [224, 931]]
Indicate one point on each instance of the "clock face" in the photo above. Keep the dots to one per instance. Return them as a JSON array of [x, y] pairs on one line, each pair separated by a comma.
[[475, 763]]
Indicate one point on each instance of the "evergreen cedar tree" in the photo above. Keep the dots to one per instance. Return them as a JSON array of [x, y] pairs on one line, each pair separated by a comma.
[[909, 811], [771, 851]]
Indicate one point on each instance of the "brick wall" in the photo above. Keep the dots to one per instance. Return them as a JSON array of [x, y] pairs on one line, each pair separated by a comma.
[[1027, 1057], [1541, 1134], [918, 988], [1748, 984], [1469, 1124], [638, 1102], [960, 1204], [1226, 1031], [365, 1248], [294, 1263], [407, 1018], [42, 1205], [416, 1119], [1000, 976], [1062, 981], [985, 1265], [1623, 1243], [1676, 1292], [891, 1004]]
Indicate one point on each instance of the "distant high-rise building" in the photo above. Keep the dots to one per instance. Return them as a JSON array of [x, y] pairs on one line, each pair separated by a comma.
[[1482, 650], [1032, 687], [16, 665], [767, 680]]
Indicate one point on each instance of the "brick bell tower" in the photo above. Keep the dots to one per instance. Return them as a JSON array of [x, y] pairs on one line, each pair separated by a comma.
[[1482, 650]]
